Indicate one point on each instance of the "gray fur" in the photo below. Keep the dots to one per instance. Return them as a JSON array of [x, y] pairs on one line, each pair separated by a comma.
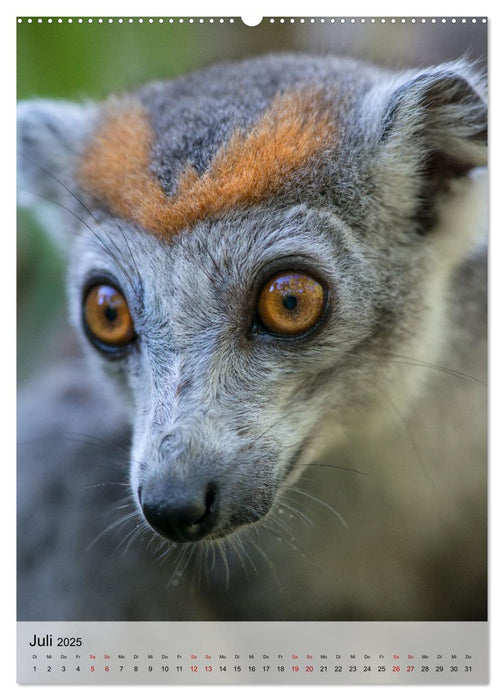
[[392, 218]]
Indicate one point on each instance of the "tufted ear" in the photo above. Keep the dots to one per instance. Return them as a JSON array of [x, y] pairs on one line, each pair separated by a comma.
[[432, 128], [50, 139]]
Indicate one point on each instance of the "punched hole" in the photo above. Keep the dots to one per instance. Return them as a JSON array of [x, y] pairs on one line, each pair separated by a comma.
[[251, 21]]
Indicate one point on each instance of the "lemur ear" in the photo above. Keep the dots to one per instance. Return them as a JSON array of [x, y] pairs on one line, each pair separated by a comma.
[[433, 128], [50, 138], [445, 108]]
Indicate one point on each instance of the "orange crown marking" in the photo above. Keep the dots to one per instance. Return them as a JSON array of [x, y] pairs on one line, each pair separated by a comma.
[[248, 168]]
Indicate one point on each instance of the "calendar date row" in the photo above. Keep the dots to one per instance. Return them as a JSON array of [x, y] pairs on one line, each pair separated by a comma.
[[282, 668]]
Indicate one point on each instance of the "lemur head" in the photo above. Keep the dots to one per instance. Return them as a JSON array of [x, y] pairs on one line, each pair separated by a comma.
[[250, 249]]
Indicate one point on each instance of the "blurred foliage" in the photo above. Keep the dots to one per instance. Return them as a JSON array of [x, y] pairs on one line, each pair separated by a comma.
[[82, 60]]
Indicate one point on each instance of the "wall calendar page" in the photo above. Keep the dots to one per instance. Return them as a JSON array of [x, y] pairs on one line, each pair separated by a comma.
[[252, 380]]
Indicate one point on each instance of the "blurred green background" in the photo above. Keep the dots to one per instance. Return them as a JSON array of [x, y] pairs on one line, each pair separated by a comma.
[[81, 60]]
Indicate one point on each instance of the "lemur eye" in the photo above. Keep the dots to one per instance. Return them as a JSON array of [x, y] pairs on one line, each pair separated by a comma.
[[107, 318], [290, 303]]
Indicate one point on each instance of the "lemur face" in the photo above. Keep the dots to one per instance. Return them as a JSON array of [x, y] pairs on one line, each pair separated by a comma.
[[250, 264], [234, 344]]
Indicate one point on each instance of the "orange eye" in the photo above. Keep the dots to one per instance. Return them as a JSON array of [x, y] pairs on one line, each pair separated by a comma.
[[107, 317], [290, 303]]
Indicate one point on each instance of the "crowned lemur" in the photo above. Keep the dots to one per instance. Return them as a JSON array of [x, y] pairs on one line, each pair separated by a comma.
[[275, 266]]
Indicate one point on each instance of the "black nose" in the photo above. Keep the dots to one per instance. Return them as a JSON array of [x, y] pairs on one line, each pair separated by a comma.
[[180, 513]]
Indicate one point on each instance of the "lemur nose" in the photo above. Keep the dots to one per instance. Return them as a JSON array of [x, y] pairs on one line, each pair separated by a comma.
[[178, 513]]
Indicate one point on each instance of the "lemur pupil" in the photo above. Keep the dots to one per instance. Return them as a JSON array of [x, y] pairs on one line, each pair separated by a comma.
[[111, 313], [289, 302]]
